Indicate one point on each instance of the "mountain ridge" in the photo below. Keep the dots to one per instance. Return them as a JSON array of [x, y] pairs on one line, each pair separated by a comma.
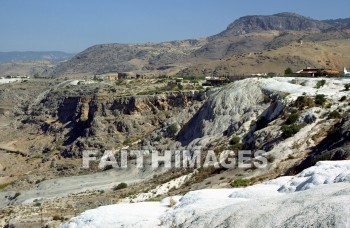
[[244, 35], [14, 56]]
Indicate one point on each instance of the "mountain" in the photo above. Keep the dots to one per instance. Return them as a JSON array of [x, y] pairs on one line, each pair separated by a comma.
[[7, 57], [278, 22], [245, 35], [106, 58]]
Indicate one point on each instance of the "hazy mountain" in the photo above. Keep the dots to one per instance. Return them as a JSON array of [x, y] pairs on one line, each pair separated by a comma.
[[14, 56]]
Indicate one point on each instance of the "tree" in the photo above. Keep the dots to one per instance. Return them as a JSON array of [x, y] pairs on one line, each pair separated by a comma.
[[288, 71]]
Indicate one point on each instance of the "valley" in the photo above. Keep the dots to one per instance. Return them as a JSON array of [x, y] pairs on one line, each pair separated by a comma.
[[204, 100]]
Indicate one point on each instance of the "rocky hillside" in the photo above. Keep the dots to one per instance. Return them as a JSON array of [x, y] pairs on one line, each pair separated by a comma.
[[106, 58], [296, 121], [245, 35], [323, 188], [332, 53]]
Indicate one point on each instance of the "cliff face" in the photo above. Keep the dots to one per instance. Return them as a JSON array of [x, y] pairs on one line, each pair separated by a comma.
[[105, 121]]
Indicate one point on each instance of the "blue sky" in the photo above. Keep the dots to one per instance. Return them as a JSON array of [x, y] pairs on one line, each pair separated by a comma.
[[74, 25]]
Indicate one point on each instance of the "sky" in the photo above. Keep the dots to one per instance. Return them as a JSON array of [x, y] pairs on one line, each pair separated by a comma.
[[74, 25]]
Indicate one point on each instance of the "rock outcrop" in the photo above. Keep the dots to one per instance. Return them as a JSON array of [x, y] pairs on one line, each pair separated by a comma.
[[231, 111]]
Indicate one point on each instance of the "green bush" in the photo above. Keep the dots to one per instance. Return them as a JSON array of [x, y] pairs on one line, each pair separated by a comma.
[[292, 118], [16, 195], [234, 140], [270, 158], [334, 115], [172, 129], [288, 71], [343, 98], [240, 183], [120, 186], [235, 143], [320, 99], [320, 83], [290, 130], [180, 87]]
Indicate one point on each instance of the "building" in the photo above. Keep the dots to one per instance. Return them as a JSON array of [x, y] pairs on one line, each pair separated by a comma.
[[314, 72]]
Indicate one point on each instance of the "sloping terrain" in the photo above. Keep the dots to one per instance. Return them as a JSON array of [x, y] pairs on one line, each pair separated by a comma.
[[27, 68], [106, 58], [330, 54]]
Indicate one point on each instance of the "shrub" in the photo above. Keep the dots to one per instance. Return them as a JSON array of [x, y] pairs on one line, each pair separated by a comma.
[[16, 195], [292, 118], [334, 115], [288, 71], [37, 204], [172, 129], [347, 87], [240, 183], [180, 87], [127, 141], [57, 218], [343, 98], [304, 101], [270, 158], [120, 186], [320, 83], [172, 202], [235, 143], [234, 140], [158, 138], [290, 130], [320, 99]]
